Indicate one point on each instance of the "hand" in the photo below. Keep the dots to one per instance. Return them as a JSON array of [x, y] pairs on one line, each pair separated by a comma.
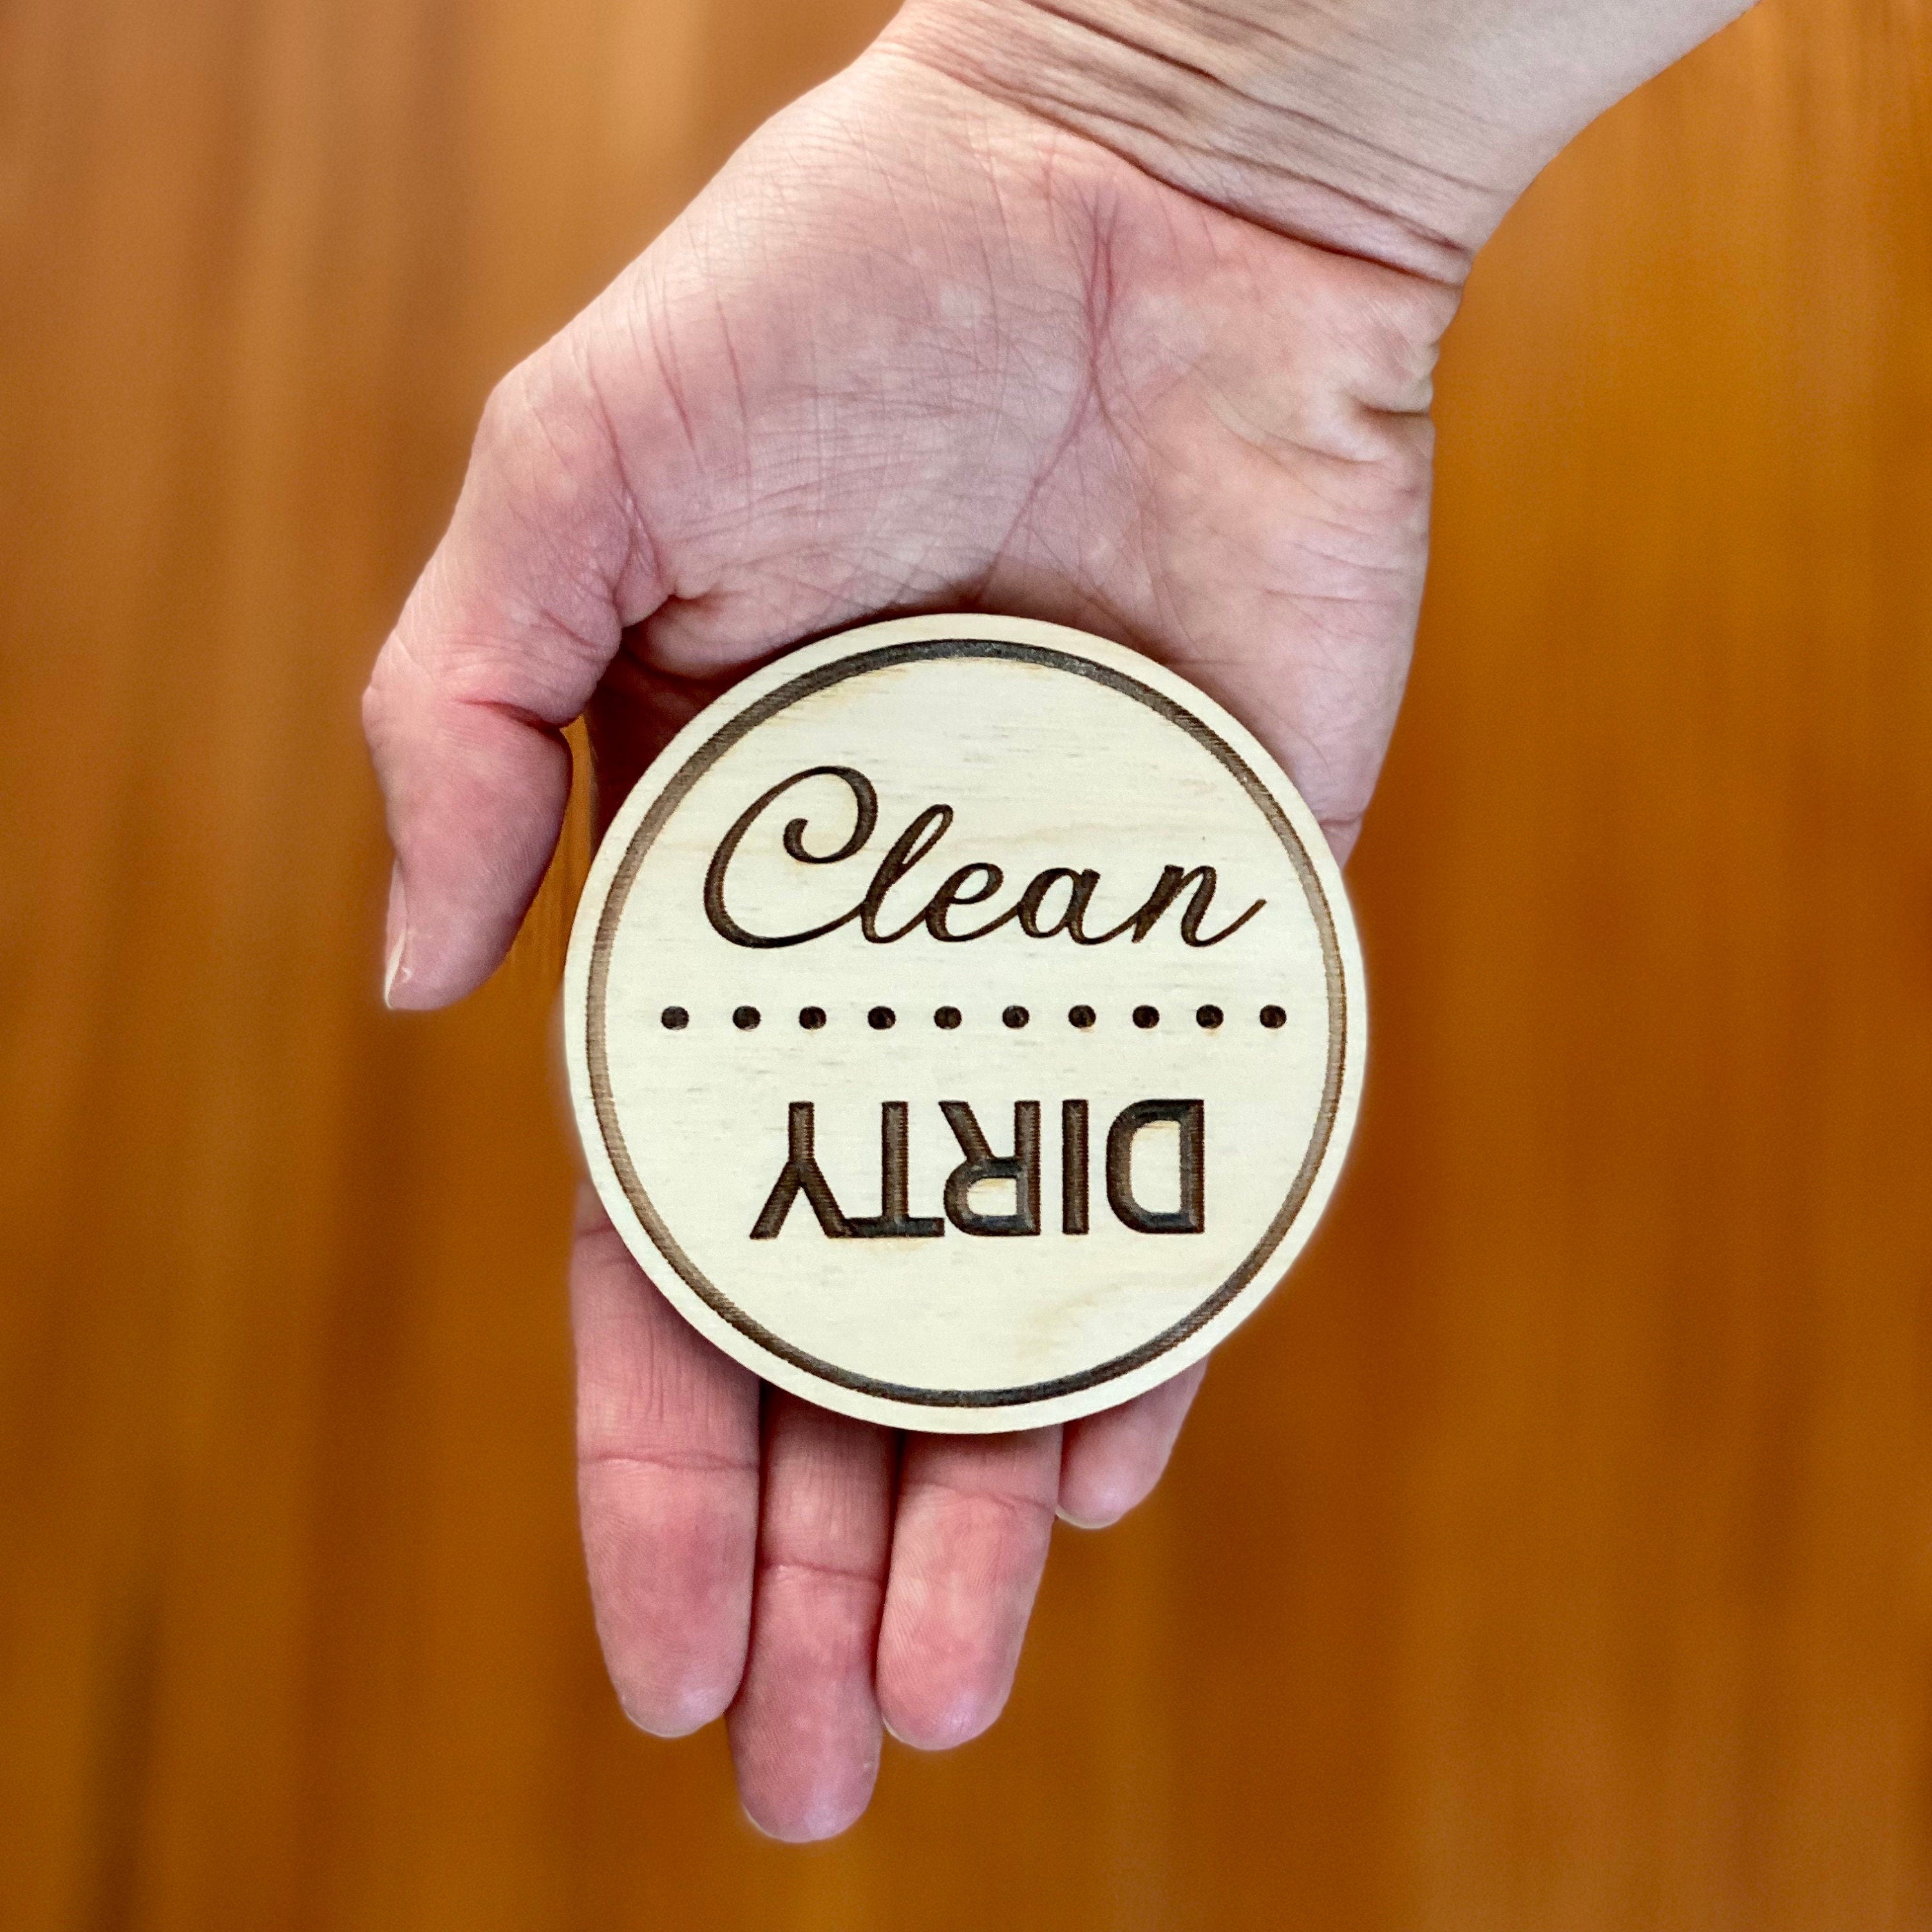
[[918, 347], [913, 350]]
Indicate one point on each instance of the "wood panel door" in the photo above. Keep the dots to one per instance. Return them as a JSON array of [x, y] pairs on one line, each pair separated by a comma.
[[1553, 1556]]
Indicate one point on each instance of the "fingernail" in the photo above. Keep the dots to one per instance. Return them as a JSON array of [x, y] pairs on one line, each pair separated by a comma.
[[395, 973], [746, 1810]]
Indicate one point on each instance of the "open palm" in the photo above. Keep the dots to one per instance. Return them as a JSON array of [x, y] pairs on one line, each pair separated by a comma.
[[914, 350]]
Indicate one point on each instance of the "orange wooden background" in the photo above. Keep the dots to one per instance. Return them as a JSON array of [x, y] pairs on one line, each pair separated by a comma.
[[1556, 1557]]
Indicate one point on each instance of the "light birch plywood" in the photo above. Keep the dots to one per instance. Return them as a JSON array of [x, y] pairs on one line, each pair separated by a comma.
[[965, 1023]]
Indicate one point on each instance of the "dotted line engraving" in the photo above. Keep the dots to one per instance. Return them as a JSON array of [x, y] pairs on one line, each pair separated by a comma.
[[882, 1019]]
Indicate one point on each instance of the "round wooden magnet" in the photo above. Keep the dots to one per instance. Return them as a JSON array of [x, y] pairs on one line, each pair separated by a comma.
[[965, 1023]]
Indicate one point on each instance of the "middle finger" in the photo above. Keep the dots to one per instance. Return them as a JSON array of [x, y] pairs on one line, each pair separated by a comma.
[[804, 1730]]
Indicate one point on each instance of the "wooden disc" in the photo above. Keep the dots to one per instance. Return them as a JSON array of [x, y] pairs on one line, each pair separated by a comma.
[[965, 1023]]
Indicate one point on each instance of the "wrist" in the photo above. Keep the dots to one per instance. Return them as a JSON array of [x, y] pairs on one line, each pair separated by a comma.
[[1400, 130]]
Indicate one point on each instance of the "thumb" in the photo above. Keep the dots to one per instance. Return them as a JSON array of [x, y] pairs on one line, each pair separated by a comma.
[[500, 645]]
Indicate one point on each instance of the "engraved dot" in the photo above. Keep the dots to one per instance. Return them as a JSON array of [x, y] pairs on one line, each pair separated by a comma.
[[675, 1018], [1273, 1017], [1080, 1016], [1147, 1016], [812, 1018], [1208, 1016], [745, 1017], [1016, 1016], [881, 1018], [947, 1017]]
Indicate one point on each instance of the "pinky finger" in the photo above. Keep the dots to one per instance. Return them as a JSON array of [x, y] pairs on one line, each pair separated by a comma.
[[1110, 1461]]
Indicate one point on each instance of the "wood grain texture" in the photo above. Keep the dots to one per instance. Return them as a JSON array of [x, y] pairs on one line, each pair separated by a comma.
[[1555, 1556], [1147, 910]]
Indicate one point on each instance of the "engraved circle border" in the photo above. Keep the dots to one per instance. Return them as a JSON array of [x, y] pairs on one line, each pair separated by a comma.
[[859, 664]]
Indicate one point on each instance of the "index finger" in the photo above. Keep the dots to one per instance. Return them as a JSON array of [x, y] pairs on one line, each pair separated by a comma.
[[668, 1481]]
